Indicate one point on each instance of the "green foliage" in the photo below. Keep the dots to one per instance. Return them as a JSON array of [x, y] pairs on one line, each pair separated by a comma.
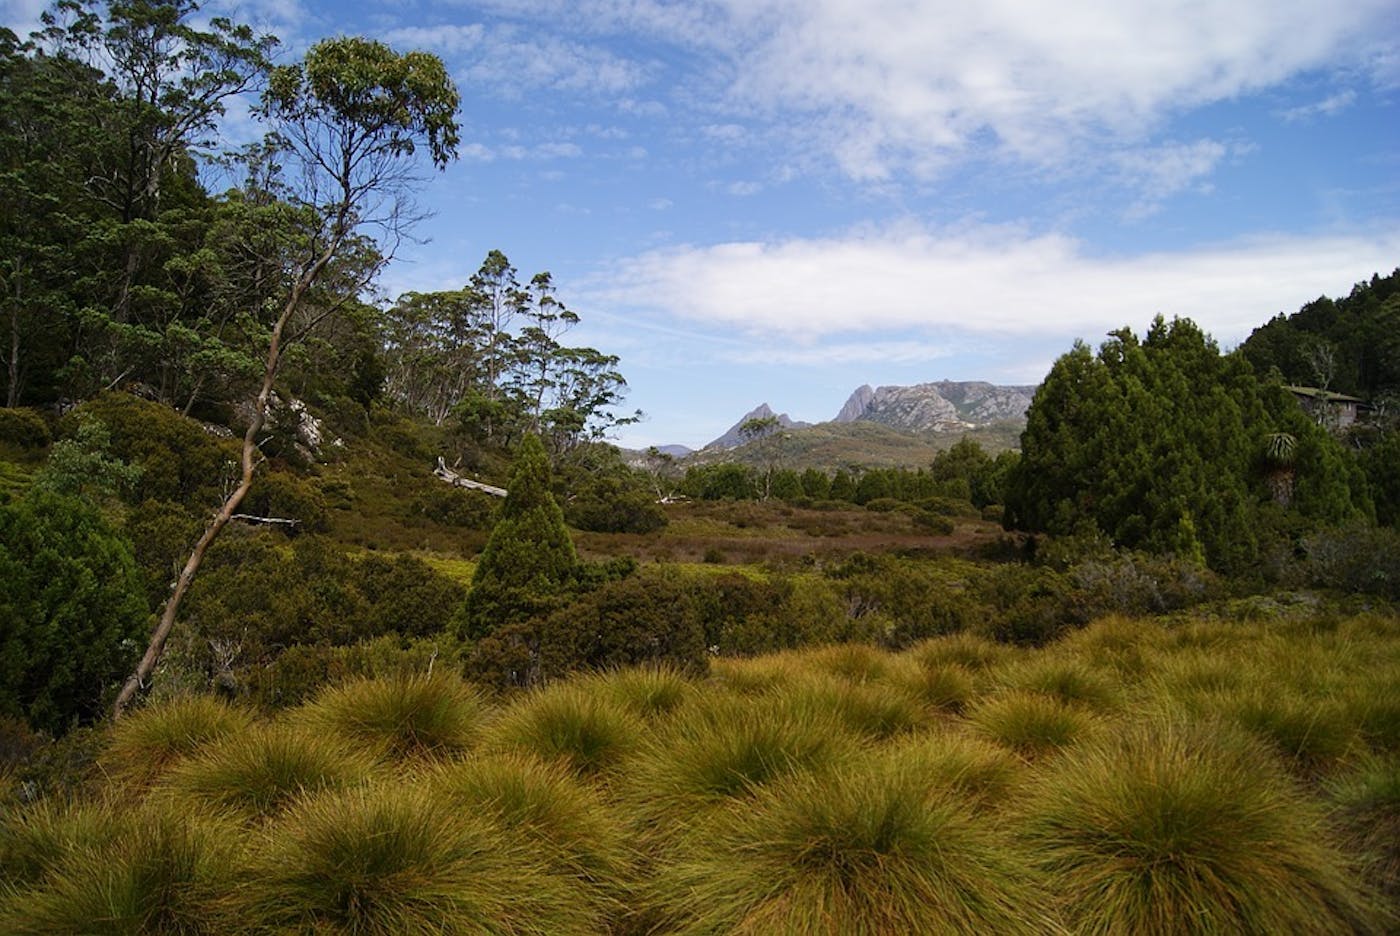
[[177, 459], [1159, 444], [72, 615], [282, 494], [529, 559], [83, 466], [614, 503], [23, 429]]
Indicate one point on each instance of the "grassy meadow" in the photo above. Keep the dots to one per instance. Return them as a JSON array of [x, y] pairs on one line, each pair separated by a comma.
[[1178, 774]]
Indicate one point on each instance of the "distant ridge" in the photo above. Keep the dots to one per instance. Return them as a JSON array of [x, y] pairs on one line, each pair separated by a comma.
[[941, 406], [733, 438]]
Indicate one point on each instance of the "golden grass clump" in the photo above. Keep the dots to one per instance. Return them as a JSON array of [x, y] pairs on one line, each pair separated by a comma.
[[864, 851], [1031, 723], [259, 773], [1068, 680], [568, 822], [855, 662], [723, 748], [943, 687], [1122, 644], [398, 861], [1163, 822], [872, 711], [149, 871], [649, 692], [147, 742], [981, 772], [404, 717], [1311, 734], [568, 724], [967, 650]]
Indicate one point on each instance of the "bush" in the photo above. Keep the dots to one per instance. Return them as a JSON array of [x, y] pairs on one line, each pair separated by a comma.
[[1162, 822], [23, 429], [282, 494], [179, 460], [606, 504], [455, 507], [73, 615]]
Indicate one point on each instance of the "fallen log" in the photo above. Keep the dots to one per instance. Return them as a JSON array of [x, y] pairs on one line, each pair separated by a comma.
[[456, 480]]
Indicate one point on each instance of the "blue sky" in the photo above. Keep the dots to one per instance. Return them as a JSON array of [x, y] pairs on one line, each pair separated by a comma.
[[779, 200]]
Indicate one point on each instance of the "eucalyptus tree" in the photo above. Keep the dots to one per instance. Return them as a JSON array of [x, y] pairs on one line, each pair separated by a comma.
[[349, 119]]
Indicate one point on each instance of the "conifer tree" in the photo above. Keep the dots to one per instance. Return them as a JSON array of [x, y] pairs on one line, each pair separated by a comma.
[[529, 559]]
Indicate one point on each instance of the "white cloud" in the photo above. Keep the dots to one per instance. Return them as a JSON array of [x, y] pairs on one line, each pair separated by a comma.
[[744, 189], [843, 354], [1328, 106], [1157, 173], [446, 39], [660, 204], [993, 281], [517, 62], [887, 87]]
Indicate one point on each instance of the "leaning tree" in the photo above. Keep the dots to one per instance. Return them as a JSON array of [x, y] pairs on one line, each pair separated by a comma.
[[347, 122]]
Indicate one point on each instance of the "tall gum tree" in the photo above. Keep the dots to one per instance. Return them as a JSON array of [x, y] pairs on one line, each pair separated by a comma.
[[350, 119]]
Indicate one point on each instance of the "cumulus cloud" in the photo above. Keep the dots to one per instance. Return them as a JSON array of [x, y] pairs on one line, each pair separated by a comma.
[[841, 353], [446, 39], [985, 280], [1156, 173]]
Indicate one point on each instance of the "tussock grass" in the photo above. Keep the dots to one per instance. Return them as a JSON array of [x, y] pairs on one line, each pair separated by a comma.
[[980, 772], [397, 861], [408, 717], [1164, 822], [1068, 680], [146, 743], [943, 687], [1313, 735], [1366, 808], [651, 692], [753, 676], [858, 851], [146, 871], [967, 650], [35, 840], [564, 822], [855, 662], [260, 772], [1190, 675], [874, 712], [1031, 723], [568, 724], [724, 748], [1122, 644], [1371, 702]]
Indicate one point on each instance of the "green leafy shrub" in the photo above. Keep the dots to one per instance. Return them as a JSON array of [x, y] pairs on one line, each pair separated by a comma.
[[73, 616], [282, 494], [23, 429], [455, 507], [607, 504], [179, 460]]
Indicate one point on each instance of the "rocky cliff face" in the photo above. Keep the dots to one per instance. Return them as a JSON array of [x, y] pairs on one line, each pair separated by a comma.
[[942, 406], [733, 438]]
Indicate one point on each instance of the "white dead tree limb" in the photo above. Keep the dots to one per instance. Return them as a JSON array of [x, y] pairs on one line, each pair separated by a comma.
[[456, 480]]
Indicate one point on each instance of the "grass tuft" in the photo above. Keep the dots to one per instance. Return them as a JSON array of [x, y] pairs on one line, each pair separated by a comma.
[[405, 717], [149, 871], [650, 693], [397, 861], [1031, 723], [146, 743], [1366, 808], [859, 851], [569, 724], [1163, 822], [259, 773]]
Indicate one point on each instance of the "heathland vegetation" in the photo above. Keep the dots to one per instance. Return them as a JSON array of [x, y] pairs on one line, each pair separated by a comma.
[[1135, 674]]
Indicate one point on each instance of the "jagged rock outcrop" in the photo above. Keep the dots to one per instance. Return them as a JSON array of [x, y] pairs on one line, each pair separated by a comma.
[[733, 437], [941, 406]]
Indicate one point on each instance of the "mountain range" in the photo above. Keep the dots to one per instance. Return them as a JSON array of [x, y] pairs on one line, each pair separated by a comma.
[[940, 406]]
